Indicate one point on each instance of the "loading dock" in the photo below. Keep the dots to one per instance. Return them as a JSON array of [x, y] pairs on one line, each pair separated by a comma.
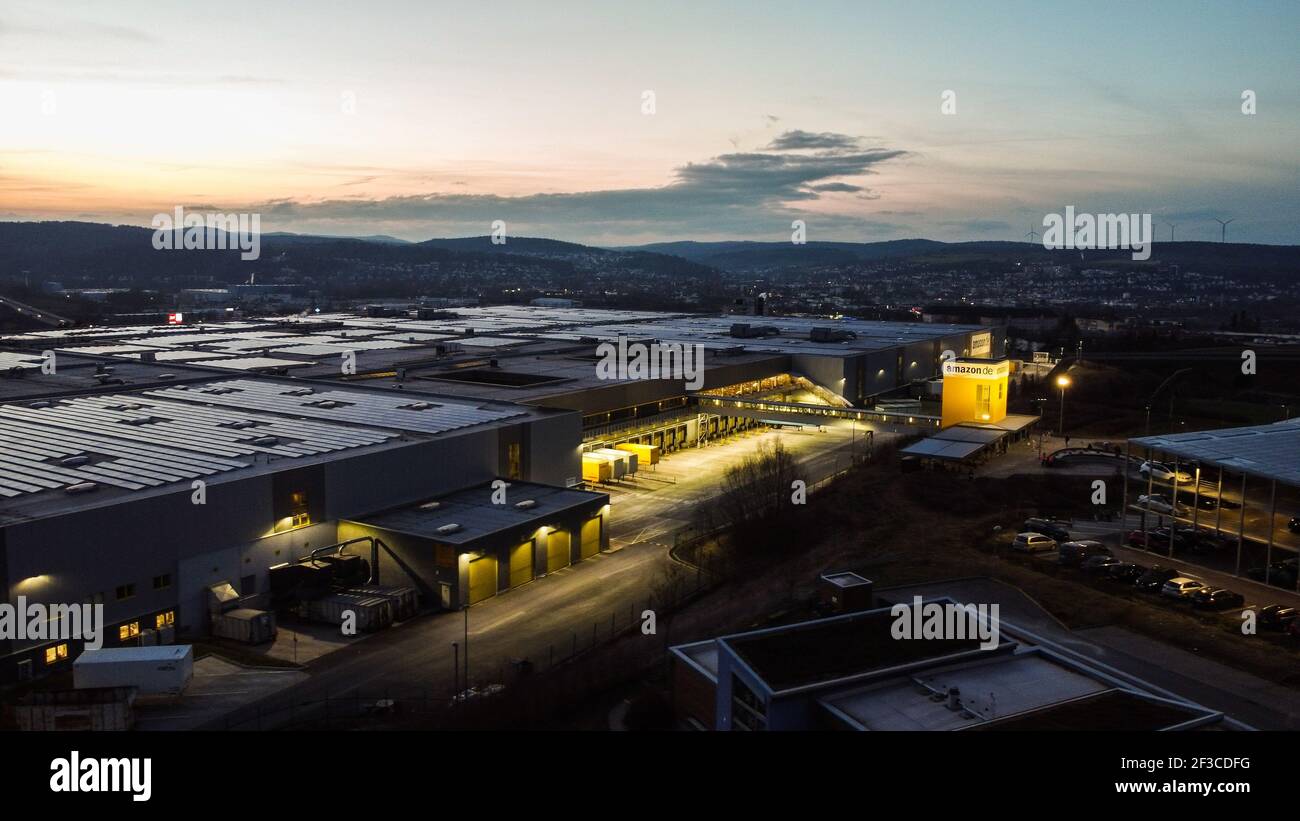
[[482, 578], [558, 547], [461, 549], [591, 537], [521, 564]]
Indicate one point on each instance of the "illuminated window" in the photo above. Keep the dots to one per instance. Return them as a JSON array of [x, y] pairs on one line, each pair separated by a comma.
[[983, 395], [55, 654], [164, 619], [514, 469], [128, 631], [299, 515]]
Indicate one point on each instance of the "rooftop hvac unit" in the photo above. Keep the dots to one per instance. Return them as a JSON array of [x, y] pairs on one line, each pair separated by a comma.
[[430, 506], [265, 440], [446, 529], [526, 504], [81, 487], [74, 461]]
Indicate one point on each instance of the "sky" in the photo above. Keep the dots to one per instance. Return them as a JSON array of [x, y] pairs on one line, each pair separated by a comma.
[[624, 123]]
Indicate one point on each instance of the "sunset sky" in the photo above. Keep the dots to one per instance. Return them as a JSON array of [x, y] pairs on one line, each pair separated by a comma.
[[764, 112]]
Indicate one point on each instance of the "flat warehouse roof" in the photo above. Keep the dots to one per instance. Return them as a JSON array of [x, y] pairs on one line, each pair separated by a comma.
[[475, 514], [1271, 451], [820, 651], [156, 439]]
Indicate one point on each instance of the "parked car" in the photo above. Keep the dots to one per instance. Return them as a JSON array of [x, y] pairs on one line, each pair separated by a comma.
[[1125, 572], [1217, 598], [1138, 538], [1278, 574], [1202, 500], [1181, 588], [1049, 527], [1277, 616], [1107, 447], [1033, 542], [1182, 537], [1152, 580], [1207, 541], [1160, 503], [1164, 473], [1097, 564], [1073, 553]]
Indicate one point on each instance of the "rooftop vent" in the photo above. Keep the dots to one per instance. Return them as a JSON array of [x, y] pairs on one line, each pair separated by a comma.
[[81, 487], [74, 461], [266, 440], [430, 506], [446, 529], [526, 504]]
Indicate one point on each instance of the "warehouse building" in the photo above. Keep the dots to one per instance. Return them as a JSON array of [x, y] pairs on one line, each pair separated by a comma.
[[470, 545], [547, 356], [142, 499], [153, 462]]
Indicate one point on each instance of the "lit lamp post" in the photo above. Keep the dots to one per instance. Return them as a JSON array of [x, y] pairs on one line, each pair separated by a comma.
[[1062, 382]]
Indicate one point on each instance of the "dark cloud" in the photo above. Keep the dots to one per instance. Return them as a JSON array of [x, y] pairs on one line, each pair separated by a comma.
[[836, 187], [797, 140]]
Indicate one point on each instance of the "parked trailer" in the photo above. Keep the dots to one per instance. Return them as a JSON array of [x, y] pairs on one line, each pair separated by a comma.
[[94, 708], [628, 459], [617, 467], [370, 612], [405, 600], [596, 469], [648, 454], [245, 625], [151, 670]]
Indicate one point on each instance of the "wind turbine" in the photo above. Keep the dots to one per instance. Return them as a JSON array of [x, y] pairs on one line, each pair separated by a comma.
[[1223, 236], [1172, 226], [1032, 233]]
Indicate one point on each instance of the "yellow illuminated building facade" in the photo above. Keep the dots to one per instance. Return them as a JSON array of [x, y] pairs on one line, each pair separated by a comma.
[[974, 390]]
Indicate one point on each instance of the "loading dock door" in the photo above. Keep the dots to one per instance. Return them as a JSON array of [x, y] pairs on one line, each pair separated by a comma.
[[591, 537], [482, 579], [557, 550], [521, 564]]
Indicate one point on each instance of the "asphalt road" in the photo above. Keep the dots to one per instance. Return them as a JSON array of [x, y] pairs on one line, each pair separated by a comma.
[[549, 617]]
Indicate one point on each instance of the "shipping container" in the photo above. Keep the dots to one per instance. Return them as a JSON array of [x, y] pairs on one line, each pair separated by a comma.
[[405, 600], [95, 709], [625, 463], [370, 612], [648, 454], [151, 670], [596, 469], [245, 625]]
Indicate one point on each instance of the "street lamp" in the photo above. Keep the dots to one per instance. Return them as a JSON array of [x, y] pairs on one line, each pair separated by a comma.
[[1062, 382]]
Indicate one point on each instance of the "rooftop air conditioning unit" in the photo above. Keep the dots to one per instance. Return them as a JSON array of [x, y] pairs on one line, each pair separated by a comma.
[[430, 506], [81, 487], [526, 504], [446, 529]]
